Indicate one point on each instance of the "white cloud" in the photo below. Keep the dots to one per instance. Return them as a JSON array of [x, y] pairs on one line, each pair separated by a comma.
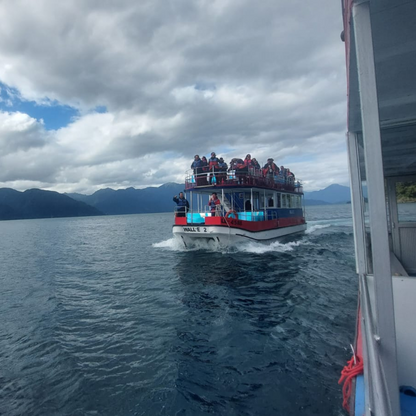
[[177, 78]]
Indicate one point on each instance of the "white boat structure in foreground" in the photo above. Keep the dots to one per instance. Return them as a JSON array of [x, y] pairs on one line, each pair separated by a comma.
[[251, 206], [380, 40]]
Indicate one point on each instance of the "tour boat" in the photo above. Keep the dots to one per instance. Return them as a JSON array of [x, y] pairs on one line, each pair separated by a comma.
[[251, 207], [380, 40]]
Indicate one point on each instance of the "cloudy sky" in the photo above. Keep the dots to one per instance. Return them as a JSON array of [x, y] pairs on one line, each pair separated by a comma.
[[123, 93]]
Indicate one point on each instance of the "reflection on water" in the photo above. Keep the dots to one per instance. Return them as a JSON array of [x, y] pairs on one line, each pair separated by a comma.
[[108, 316]]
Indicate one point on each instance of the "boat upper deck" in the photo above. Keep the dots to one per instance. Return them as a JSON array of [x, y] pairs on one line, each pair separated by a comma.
[[240, 180]]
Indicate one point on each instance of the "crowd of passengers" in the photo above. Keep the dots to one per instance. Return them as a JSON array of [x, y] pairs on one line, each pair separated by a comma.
[[215, 170]]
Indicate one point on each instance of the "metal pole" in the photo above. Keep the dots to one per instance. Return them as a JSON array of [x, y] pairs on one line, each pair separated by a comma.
[[222, 199], [383, 290], [251, 199], [357, 203]]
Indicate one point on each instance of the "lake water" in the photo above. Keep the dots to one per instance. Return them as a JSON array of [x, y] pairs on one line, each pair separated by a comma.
[[110, 316]]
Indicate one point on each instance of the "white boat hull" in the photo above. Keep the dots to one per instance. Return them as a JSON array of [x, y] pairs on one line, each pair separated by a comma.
[[226, 236]]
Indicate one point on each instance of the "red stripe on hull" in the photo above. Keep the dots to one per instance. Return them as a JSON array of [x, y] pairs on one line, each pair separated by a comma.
[[254, 225], [247, 225]]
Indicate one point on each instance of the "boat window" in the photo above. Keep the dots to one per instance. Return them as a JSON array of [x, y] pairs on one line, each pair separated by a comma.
[[279, 203], [406, 201]]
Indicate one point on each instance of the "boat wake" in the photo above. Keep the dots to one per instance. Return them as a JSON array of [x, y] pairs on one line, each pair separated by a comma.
[[172, 244], [316, 227], [276, 247]]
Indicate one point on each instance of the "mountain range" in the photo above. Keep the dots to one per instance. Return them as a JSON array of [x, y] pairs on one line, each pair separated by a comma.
[[36, 203], [333, 194], [133, 201]]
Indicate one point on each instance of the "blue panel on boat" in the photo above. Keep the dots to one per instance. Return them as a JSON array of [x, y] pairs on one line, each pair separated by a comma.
[[251, 216], [407, 401], [195, 218], [359, 396], [289, 212]]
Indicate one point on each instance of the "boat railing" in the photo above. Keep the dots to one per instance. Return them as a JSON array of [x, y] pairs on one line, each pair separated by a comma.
[[198, 216], [199, 178]]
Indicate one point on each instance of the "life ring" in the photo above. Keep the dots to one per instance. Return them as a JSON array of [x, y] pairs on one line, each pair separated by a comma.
[[231, 212]]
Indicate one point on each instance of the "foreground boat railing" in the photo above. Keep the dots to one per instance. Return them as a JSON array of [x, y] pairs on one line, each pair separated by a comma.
[[378, 400]]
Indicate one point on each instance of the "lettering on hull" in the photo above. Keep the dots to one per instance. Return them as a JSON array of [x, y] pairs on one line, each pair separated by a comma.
[[231, 221], [194, 229]]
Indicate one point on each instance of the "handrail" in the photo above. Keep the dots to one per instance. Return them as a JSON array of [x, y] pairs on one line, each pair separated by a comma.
[[235, 178], [379, 397]]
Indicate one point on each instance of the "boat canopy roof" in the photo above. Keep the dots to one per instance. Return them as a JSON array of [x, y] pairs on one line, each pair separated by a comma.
[[394, 43]]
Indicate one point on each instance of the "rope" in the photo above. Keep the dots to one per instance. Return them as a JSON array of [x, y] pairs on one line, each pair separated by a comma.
[[353, 368]]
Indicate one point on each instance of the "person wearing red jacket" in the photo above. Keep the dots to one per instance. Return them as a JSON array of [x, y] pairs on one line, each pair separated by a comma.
[[214, 202], [270, 168], [247, 161]]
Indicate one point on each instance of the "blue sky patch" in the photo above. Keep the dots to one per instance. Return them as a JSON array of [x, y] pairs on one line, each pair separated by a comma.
[[54, 115]]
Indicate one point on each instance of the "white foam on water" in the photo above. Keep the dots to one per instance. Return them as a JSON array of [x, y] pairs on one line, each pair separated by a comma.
[[172, 244], [175, 244], [260, 248], [313, 228]]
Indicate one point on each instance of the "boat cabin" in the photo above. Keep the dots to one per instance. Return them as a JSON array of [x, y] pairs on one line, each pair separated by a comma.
[[247, 197], [380, 40], [250, 206]]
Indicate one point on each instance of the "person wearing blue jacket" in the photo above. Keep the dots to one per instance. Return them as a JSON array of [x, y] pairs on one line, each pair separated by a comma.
[[182, 205], [197, 167]]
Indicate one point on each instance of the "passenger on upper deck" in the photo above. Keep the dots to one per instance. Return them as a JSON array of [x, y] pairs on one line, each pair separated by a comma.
[[204, 163], [213, 167], [197, 167], [197, 163], [270, 168], [236, 163], [247, 161], [255, 164], [290, 177], [222, 165], [222, 171], [241, 169], [213, 161]]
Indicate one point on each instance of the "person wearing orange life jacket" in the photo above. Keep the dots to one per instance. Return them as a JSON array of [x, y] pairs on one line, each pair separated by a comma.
[[270, 168], [247, 161]]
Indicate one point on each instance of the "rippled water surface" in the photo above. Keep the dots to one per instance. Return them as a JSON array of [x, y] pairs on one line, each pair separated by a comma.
[[110, 316]]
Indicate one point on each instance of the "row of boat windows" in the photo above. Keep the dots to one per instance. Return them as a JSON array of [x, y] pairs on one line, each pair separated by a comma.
[[274, 200]]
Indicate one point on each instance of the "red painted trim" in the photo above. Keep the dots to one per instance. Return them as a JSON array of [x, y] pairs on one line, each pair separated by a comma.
[[180, 221], [254, 225]]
